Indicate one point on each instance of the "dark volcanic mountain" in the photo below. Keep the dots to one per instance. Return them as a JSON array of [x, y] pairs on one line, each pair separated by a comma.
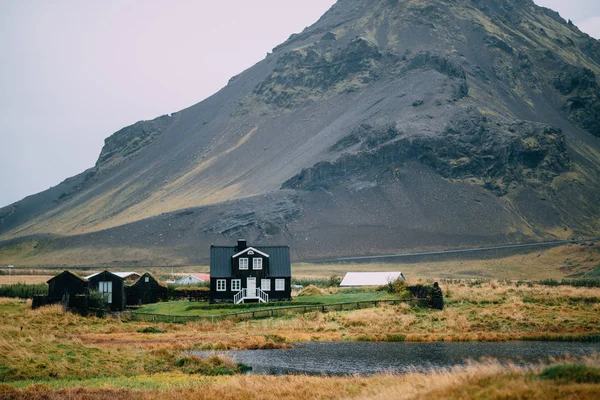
[[388, 125]]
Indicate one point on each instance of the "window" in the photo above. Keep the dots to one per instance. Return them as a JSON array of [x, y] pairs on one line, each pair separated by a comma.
[[257, 263], [243, 263], [279, 284], [105, 290], [221, 285], [265, 285], [147, 279], [236, 284]]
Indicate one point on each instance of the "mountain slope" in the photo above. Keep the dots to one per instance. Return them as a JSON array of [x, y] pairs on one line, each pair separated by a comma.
[[387, 125]]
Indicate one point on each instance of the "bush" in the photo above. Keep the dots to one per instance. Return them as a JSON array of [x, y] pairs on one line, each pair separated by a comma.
[[398, 337], [572, 373], [310, 290], [395, 287], [332, 281], [23, 290], [571, 282], [209, 366], [150, 329]]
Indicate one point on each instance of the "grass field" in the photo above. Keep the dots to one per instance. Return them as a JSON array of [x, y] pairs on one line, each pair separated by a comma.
[[202, 308], [28, 279], [46, 353]]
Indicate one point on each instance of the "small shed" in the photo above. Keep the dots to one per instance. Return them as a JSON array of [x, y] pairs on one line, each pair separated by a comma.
[[193, 279], [65, 283], [354, 279], [146, 290], [111, 286]]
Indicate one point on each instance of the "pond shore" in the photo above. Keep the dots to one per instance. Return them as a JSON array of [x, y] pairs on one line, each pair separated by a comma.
[[60, 351]]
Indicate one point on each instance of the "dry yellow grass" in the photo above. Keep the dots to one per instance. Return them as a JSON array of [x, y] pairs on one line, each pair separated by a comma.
[[28, 279], [487, 380], [555, 263]]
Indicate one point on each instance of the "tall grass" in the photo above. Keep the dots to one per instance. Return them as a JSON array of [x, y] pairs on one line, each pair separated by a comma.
[[23, 291]]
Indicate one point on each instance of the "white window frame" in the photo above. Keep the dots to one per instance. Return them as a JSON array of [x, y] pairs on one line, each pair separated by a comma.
[[265, 285], [236, 285], [147, 279], [279, 285], [221, 285], [257, 263], [105, 289], [245, 263]]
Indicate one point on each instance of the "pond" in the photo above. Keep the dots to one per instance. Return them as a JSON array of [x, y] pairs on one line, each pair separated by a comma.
[[342, 358]]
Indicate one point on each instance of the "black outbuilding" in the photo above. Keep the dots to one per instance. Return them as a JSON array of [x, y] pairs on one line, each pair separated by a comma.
[[111, 287], [243, 274], [65, 283], [146, 290]]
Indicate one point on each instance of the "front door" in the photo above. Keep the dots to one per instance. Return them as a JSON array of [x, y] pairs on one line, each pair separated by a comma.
[[251, 287]]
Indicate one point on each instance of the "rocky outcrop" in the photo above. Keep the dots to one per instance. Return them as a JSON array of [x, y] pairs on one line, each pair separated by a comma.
[[131, 139], [264, 220], [304, 74], [472, 146]]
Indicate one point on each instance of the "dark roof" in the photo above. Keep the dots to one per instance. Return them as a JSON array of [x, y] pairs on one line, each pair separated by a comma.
[[67, 273], [139, 280], [279, 260], [102, 275]]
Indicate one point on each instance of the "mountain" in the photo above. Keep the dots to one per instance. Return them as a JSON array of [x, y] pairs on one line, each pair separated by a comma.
[[387, 126]]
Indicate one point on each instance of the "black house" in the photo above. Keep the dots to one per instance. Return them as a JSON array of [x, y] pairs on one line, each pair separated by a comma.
[[146, 290], [65, 283], [241, 273], [111, 287]]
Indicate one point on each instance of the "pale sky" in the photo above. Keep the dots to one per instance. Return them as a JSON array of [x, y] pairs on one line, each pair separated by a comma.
[[73, 72]]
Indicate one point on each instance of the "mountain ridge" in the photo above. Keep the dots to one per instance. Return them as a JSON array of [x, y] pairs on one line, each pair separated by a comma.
[[357, 136]]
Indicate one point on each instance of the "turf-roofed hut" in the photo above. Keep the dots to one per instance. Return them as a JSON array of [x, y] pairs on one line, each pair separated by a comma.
[[64, 285], [250, 274], [146, 290], [111, 287]]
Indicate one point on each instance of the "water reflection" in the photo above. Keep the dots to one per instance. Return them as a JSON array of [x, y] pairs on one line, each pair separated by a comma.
[[341, 358]]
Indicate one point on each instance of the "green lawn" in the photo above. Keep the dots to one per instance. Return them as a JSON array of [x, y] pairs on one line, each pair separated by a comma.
[[203, 308]]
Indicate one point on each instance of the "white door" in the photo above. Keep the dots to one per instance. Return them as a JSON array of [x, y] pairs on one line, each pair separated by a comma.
[[251, 287]]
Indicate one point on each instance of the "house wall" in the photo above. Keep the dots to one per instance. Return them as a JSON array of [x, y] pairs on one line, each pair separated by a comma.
[[143, 292], [118, 289], [250, 272], [227, 295], [65, 283]]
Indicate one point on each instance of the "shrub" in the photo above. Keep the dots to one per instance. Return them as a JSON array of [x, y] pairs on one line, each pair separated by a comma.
[[572, 373], [23, 290], [150, 329], [311, 290], [396, 286], [209, 366], [398, 337]]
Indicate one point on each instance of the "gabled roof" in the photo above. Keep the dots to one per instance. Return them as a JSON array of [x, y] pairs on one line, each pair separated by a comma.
[[221, 256], [103, 272], [139, 280], [123, 275], [250, 249], [66, 273], [370, 278]]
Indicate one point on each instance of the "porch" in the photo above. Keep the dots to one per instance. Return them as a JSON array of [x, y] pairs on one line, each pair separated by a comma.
[[251, 294]]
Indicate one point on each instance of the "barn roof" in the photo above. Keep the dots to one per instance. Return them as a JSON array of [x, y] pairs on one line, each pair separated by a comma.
[[66, 273], [370, 278], [123, 275], [139, 280], [220, 260]]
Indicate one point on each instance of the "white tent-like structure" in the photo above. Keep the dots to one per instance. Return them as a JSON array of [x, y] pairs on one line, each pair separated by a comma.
[[370, 278]]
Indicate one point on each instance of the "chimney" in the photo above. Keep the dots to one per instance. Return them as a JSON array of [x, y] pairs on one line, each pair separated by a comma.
[[242, 244]]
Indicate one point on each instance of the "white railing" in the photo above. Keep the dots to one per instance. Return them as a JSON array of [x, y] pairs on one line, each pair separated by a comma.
[[255, 294]]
